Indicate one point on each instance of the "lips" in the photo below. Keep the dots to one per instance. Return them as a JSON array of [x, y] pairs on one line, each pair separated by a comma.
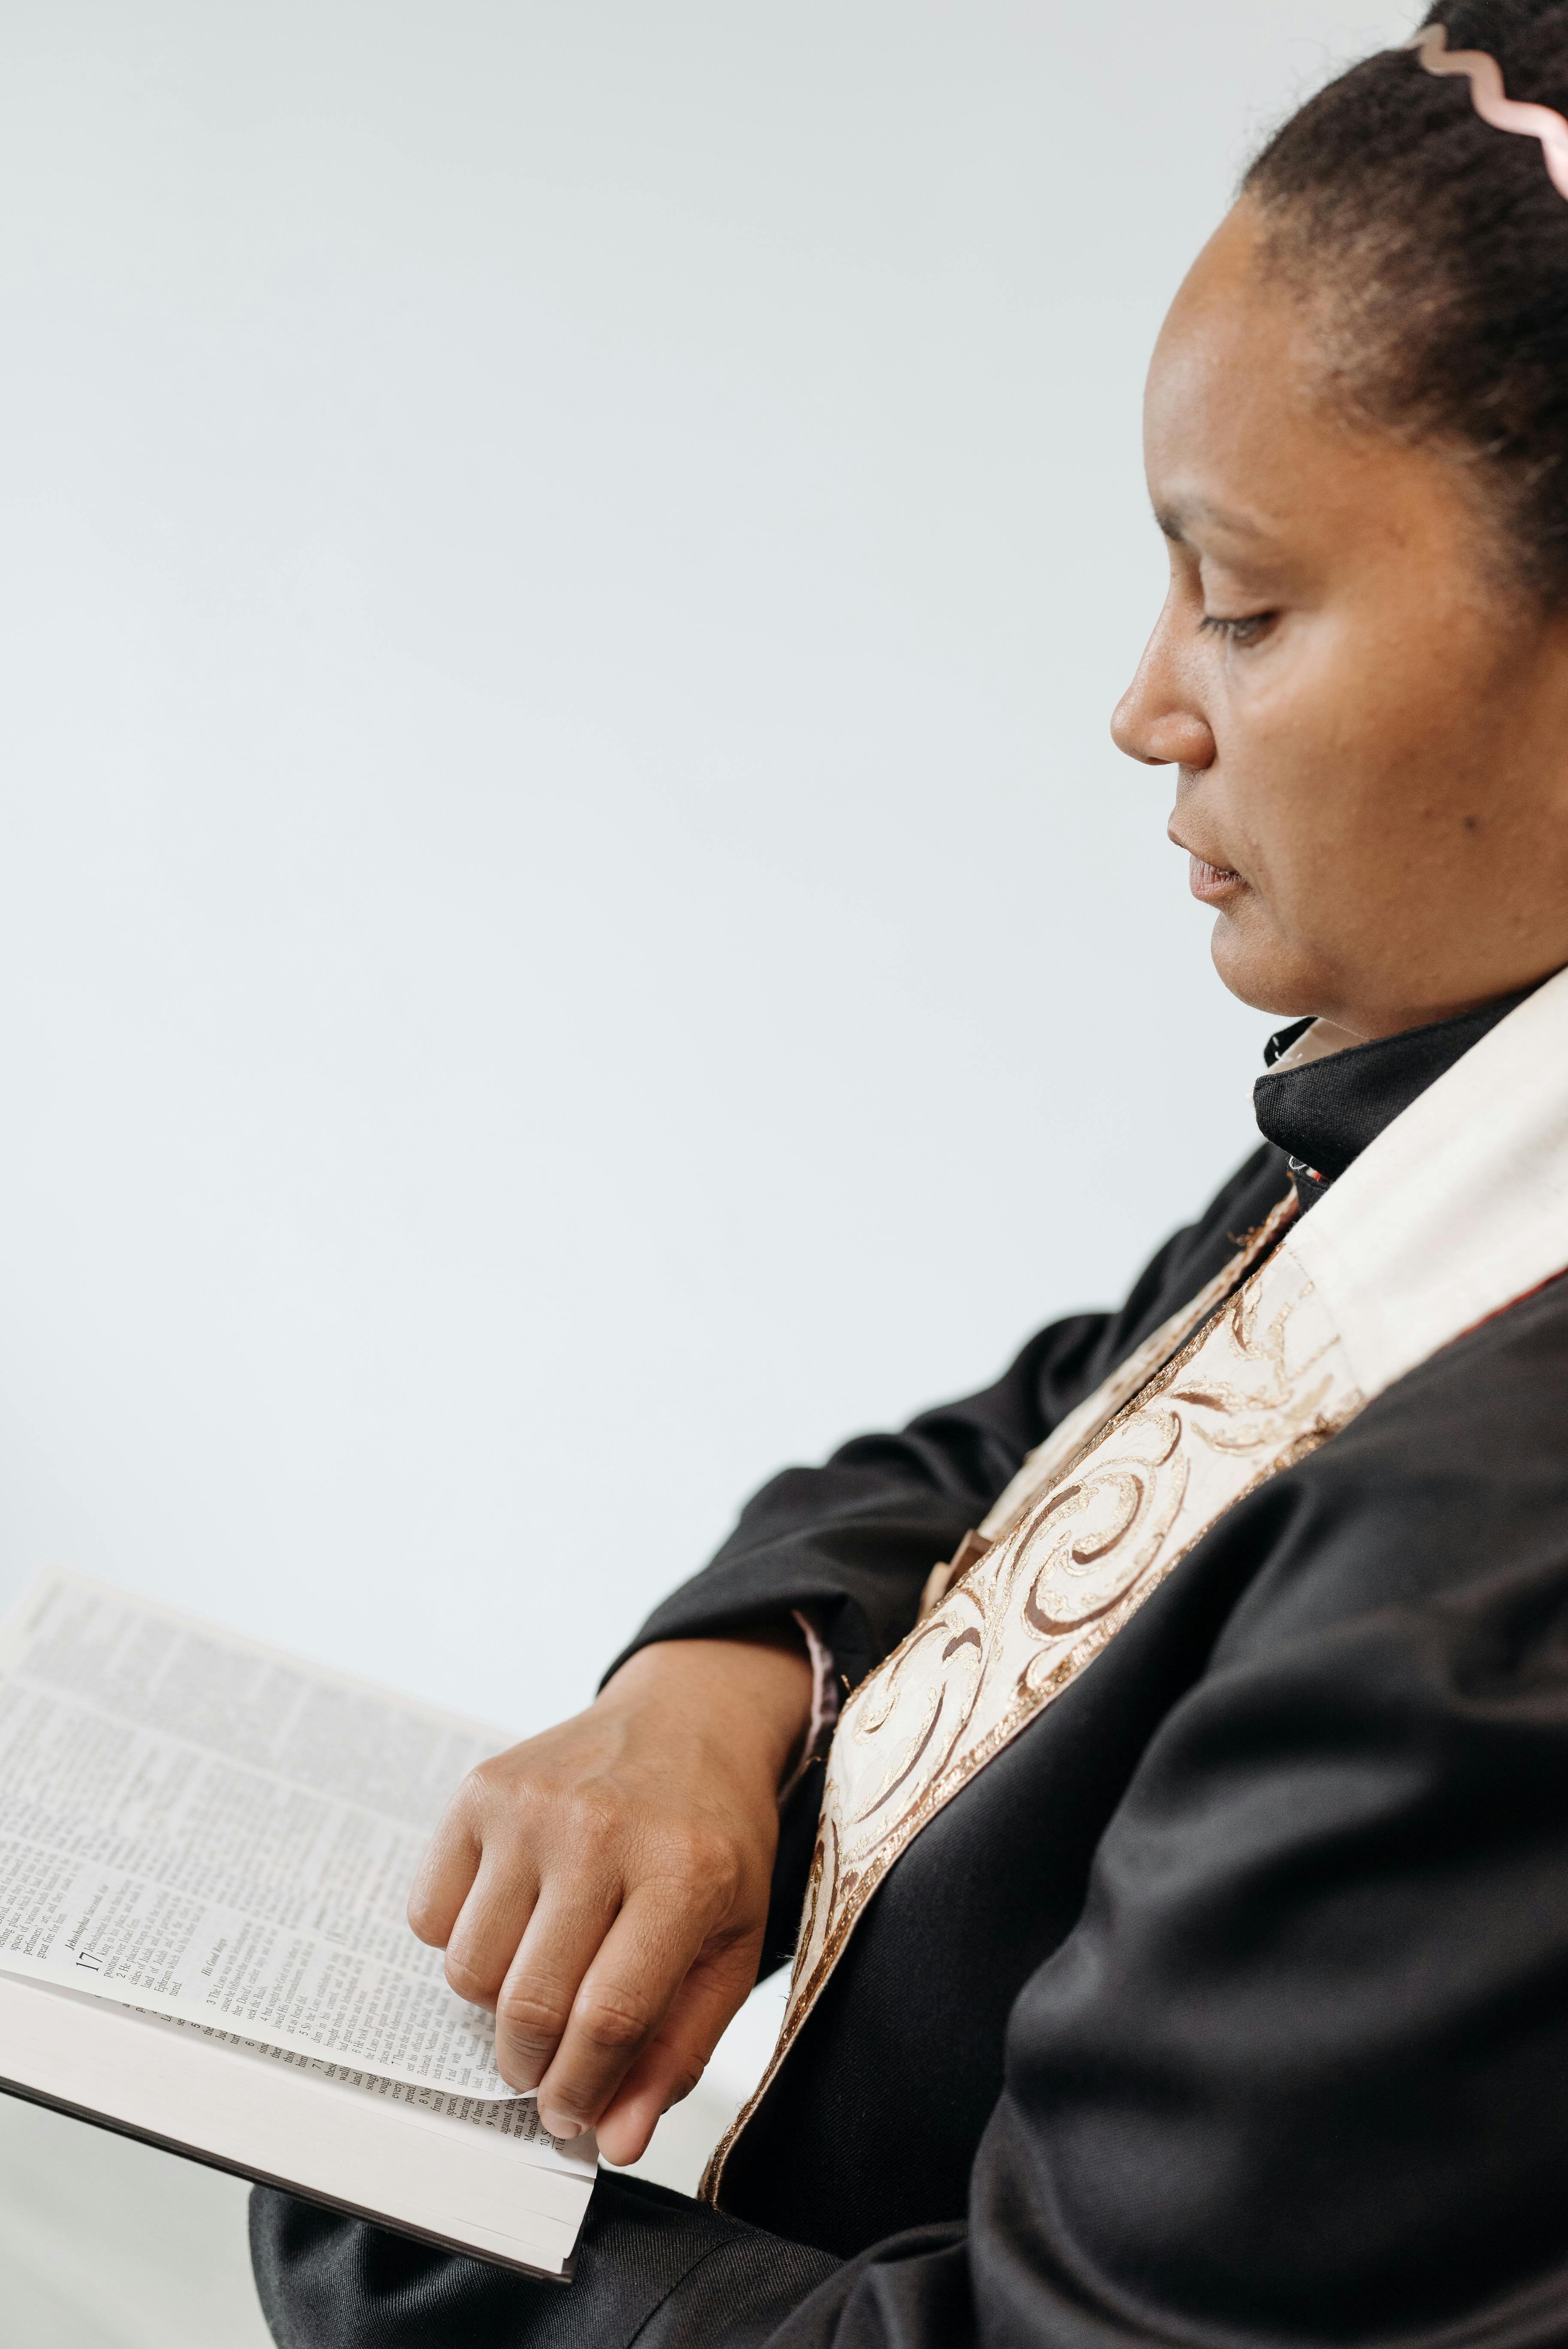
[[1211, 881], [1213, 884]]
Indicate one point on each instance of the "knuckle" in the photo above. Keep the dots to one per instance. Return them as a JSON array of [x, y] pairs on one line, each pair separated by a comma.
[[479, 1786], [424, 1922], [497, 1784], [721, 1870], [611, 2019], [699, 1860], [497, 1811], [475, 1982], [595, 1812], [530, 2017]]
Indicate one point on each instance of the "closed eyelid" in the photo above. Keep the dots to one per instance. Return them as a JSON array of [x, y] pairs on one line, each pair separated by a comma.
[[1239, 629]]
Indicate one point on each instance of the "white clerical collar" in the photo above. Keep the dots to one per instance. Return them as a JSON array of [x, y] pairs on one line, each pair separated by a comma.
[[1459, 1204], [1314, 1043]]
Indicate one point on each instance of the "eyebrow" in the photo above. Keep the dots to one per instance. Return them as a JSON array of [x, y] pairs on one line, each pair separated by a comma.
[[1176, 520]]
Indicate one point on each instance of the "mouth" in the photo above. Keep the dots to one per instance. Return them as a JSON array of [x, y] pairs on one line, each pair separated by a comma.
[[1211, 882]]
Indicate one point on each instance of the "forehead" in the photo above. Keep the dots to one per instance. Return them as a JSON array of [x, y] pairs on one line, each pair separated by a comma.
[[1237, 433], [1254, 463]]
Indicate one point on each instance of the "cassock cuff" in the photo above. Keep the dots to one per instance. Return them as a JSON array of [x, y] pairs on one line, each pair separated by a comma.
[[824, 1702]]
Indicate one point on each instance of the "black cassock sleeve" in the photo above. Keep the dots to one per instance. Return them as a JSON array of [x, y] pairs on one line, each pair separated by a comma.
[[1300, 2073]]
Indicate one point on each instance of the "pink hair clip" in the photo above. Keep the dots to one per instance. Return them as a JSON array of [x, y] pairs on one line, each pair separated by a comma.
[[1491, 102]]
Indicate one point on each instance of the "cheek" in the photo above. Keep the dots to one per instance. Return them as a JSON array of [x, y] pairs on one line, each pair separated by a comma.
[[1337, 745], [1284, 755]]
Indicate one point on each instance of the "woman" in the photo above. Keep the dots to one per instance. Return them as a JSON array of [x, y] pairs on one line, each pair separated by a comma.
[[1185, 1952]]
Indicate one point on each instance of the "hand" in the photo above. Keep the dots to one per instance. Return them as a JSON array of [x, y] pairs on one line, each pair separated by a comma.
[[603, 1887]]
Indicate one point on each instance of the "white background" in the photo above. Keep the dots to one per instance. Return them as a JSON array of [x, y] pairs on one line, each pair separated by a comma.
[[569, 927]]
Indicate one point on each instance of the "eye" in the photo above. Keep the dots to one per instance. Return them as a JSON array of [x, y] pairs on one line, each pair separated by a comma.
[[1243, 629]]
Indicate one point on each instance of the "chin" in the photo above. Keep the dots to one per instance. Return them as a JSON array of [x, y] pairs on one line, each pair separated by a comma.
[[1258, 971]]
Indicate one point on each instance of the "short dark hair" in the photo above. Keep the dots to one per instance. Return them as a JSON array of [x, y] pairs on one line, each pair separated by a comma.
[[1438, 247]]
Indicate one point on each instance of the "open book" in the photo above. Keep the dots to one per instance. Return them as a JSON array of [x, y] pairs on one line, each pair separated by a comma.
[[205, 1849]]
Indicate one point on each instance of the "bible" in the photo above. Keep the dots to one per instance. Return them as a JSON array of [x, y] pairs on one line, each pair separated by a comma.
[[205, 1849]]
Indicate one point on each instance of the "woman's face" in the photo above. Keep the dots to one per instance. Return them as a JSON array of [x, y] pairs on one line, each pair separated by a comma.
[[1371, 728]]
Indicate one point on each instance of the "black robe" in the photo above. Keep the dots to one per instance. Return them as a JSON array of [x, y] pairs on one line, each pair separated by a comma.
[[1228, 2003]]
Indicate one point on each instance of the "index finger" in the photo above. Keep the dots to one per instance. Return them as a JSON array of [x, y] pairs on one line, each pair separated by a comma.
[[445, 1877]]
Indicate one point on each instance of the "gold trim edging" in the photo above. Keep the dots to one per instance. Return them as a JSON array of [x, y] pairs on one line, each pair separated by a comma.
[[1031, 1702]]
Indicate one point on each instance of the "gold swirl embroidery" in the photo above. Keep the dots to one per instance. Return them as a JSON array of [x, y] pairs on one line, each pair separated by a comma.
[[1050, 1593]]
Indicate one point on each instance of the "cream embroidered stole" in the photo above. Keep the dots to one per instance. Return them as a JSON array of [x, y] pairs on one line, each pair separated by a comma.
[[1459, 1208]]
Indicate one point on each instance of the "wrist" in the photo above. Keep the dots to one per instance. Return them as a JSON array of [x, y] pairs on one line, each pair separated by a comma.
[[753, 1693]]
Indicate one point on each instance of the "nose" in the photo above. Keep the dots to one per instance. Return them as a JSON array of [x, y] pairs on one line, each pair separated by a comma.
[[1157, 721]]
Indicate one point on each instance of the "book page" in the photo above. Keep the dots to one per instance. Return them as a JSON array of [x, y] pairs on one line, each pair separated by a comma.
[[194, 1824], [515, 2118]]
